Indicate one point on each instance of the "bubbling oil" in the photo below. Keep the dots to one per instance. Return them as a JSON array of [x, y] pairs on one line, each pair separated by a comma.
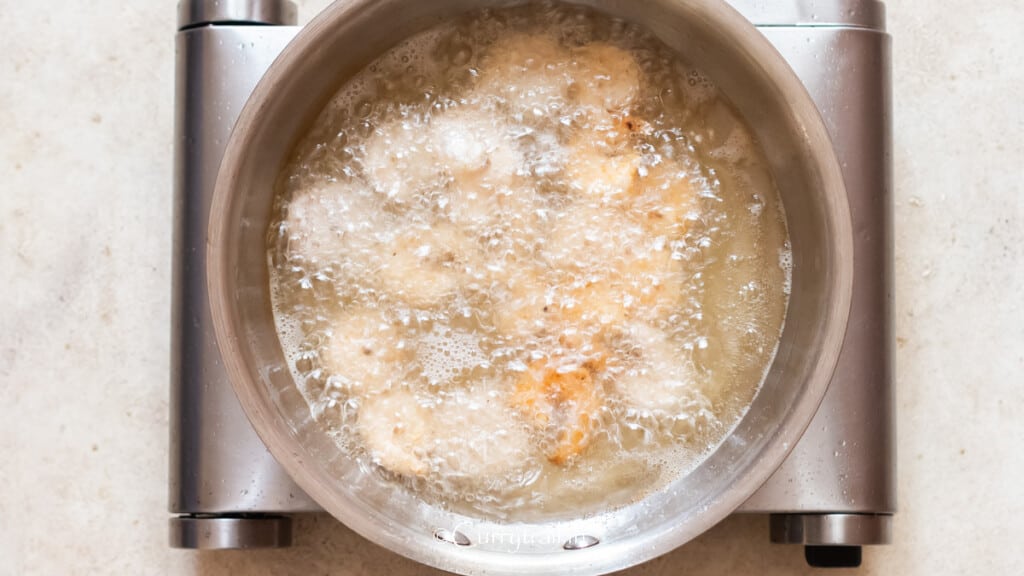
[[529, 264]]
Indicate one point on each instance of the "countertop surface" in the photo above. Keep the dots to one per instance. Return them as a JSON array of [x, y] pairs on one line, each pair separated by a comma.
[[86, 106]]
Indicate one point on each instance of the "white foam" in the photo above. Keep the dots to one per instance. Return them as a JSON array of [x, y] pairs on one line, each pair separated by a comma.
[[786, 264], [444, 354]]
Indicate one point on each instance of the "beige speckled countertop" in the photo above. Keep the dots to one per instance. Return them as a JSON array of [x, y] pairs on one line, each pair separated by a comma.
[[86, 92]]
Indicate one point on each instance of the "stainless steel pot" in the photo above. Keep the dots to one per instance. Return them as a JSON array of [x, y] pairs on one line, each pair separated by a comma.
[[346, 37]]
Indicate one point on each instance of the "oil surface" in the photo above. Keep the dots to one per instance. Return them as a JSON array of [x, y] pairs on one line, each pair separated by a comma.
[[529, 263]]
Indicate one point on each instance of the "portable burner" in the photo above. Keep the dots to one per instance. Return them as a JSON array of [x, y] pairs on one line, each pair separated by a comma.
[[835, 492]]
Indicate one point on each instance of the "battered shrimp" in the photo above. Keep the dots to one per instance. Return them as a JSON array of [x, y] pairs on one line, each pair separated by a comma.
[[478, 437], [474, 146], [361, 350], [599, 301], [526, 307], [609, 269], [658, 383], [469, 435], [582, 235], [646, 286], [400, 160], [482, 161], [667, 200], [614, 133], [612, 178], [545, 304], [656, 282], [424, 265], [327, 222], [560, 397], [607, 77], [396, 428], [603, 160], [531, 73]]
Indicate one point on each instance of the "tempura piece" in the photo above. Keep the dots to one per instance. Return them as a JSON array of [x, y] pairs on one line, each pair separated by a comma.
[[410, 438], [607, 77], [562, 400], [361, 350], [666, 197], [425, 263], [400, 160], [530, 73], [326, 222], [612, 178], [658, 384], [482, 161]]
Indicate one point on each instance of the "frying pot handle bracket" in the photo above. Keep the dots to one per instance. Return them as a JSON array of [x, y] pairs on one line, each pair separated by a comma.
[[196, 13], [230, 531], [832, 540]]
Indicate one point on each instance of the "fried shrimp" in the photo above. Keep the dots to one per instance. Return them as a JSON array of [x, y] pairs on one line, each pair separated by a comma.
[[491, 441], [607, 77], [481, 161], [410, 437], [527, 308], [400, 160], [424, 265], [326, 222], [396, 428], [658, 383], [474, 147], [530, 74], [562, 399], [608, 267], [666, 198], [612, 178], [361, 348]]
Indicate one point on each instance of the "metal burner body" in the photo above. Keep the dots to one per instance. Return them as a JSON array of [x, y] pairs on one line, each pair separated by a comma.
[[835, 492]]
